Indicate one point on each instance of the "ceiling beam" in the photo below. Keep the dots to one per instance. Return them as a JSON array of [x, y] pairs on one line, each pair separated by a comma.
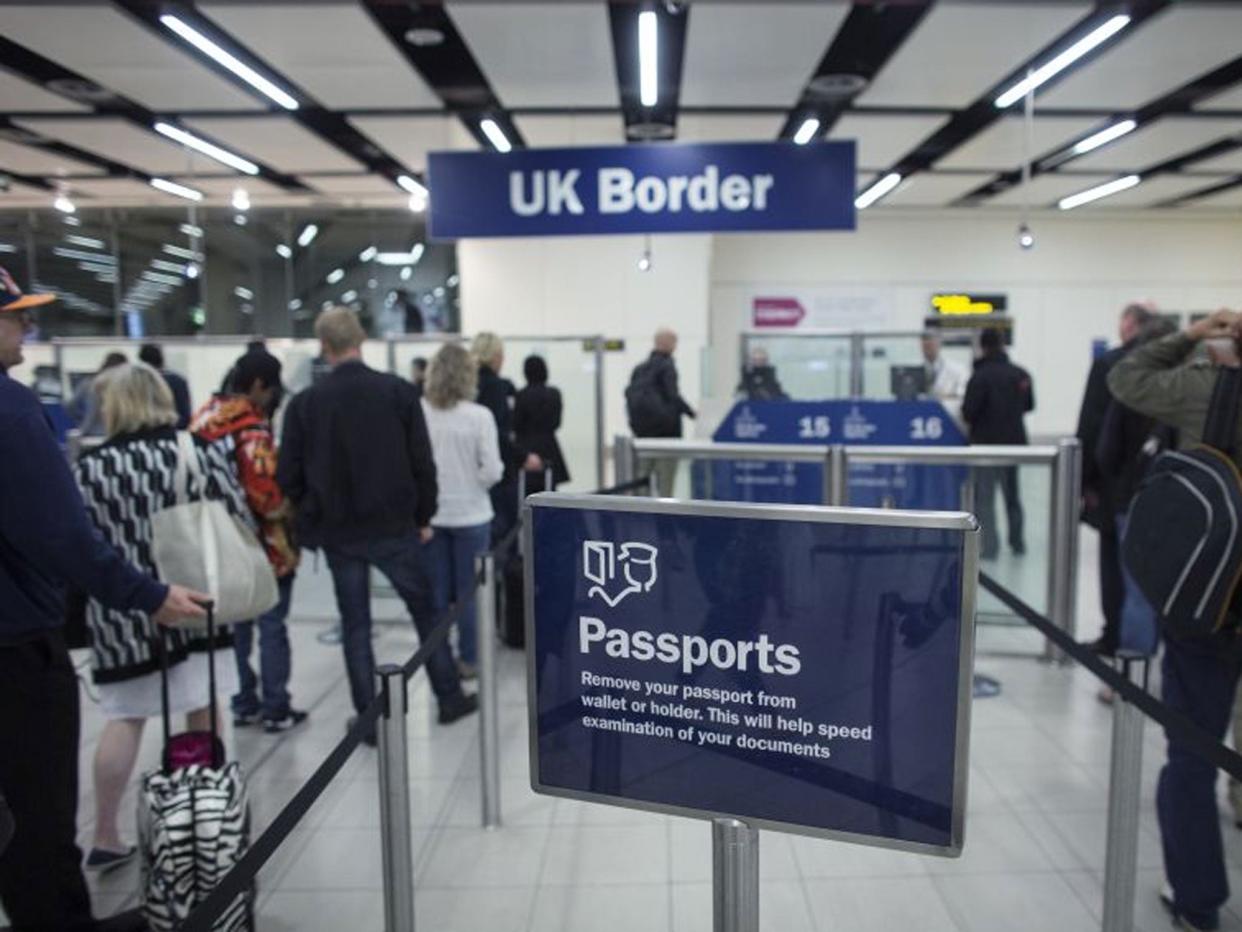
[[1179, 101], [658, 122], [447, 66], [329, 126], [868, 38]]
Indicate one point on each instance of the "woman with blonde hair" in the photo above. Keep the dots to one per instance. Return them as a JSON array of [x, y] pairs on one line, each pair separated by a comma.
[[467, 455], [123, 482]]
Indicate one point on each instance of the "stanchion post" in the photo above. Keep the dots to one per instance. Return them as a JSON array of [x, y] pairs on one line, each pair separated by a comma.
[[735, 876], [1124, 789], [857, 355], [599, 412], [623, 465], [836, 476], [489, 727], [394, 787], [1063, 545]]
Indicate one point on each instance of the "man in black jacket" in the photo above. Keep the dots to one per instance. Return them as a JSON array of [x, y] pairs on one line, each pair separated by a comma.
[[1098, 506], [356, 461], [654, 404], [998, 395]]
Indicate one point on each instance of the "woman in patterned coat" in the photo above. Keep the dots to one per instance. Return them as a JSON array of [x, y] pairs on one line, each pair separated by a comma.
[[124, 482]]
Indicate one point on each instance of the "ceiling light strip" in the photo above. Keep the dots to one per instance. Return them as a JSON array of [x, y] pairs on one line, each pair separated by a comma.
[[217, 54], [877, 191], [211, 150], [495, 135], [806, 132], [1099, 191], [1059, 63], [1104, 137], [180, 190], [648, 58]]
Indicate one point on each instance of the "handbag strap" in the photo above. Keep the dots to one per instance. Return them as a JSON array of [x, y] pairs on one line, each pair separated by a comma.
[[211, 669], [187, 467], [1221, 425], [162, 651]]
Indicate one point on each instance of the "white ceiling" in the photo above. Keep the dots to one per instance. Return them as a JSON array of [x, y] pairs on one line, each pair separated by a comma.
[[409, 139], [277, 141], [700, 127], [934, 190], [27, 160], [1004, 142], [1187, 40], [940, 67], [352, 184], [257, 188], [758, 55], [1044, 190], [551, 131], [1231, 162], [122, 141], [334, 51], [108, 47], [19, 94], [542, 54], [1157, 142], [1231, 198], [882, 140], [1153, 191], [127, 188], [1229, 100]]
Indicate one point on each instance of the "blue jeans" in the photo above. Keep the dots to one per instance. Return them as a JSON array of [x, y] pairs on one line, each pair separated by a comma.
[[400, 560], [1200, 678], [452, 552], [274, 664]]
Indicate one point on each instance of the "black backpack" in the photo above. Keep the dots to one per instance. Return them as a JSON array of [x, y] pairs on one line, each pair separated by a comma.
[[648, 409], [1183, 543]]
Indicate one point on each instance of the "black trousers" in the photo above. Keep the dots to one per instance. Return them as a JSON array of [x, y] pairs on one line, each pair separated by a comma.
[[41, 883], [1112, 583], [987, 478]]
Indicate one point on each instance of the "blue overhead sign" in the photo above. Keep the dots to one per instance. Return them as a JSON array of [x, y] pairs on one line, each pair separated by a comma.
[[803, 669], [659, 188]]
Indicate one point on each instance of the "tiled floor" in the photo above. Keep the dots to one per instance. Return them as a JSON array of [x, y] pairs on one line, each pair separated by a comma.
[[1033, 859]]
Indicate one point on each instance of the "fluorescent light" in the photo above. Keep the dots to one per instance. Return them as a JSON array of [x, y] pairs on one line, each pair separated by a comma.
[[417, 203], [63, 204], [406, 273], [165, 266], [7, 247], [229, 61], [1104, 136], [452, 280], [211, 150], [1055, 66], [191, 271], [495, 135], [806, 132], [180, 252], [1099, 191], [648, 58], [180, 190], [348, 296], [413, 185], [877, 191], [72, 220], [160, 277], [402, 258], [368, 254], [88, 241], [190, 229], [241, 199], [283, 251], [82, 255], [295, 304], [309, 232], [239, 219], [335, 276], [244, 293]]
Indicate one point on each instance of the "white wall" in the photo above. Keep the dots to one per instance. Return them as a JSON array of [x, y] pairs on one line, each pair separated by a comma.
[[1062, 294], [589, 285]]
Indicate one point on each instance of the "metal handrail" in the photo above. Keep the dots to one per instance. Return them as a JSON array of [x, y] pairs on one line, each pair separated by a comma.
[[651, 448]]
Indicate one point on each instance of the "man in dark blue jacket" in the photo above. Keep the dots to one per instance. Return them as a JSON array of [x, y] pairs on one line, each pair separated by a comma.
[[46, 541]]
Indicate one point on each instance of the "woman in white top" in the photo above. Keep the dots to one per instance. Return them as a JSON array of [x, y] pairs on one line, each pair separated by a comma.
[[467, 455]]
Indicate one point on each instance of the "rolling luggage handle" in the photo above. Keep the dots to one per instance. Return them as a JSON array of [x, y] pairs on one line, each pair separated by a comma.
[[521, 498], [191, 747]]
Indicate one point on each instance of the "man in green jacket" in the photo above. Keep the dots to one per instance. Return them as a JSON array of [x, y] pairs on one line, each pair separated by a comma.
[[1169, 380]]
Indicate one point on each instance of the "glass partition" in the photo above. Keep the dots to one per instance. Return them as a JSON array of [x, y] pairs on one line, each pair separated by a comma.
[[808, 367], [881, 355]]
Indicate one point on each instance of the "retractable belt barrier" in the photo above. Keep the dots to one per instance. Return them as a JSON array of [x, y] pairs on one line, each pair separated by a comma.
[[238, 880], [1176, 724]]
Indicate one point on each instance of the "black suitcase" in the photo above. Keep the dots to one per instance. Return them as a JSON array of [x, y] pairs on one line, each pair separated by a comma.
[[511, 593]]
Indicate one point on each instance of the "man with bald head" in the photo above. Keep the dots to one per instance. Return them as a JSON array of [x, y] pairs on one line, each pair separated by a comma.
[[654, 403]]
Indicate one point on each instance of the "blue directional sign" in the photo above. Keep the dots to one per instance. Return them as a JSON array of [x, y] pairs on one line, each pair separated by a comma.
[[661, 188], [803, 669], [853, 423]]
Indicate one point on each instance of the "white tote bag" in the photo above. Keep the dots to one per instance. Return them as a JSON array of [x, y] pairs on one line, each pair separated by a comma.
[[205, 547]]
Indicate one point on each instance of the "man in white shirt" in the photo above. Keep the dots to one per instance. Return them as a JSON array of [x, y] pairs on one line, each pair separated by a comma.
[[946, 381]]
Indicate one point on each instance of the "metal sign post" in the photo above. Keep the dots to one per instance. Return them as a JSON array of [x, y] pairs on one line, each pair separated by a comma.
[[394, 785], [1125, 789], [489, 726], [735, 876]]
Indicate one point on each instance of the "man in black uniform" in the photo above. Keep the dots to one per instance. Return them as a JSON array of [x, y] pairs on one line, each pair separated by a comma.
[[997, 397], [1097, 492]]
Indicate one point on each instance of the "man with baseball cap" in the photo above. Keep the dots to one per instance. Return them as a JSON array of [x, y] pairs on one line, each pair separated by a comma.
[[240, 420], [47, 541]]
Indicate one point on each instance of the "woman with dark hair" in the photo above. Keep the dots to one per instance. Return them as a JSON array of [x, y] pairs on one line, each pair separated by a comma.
[[536, 419]]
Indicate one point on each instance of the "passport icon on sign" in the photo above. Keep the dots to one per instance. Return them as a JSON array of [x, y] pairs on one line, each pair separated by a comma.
[[632, 567]]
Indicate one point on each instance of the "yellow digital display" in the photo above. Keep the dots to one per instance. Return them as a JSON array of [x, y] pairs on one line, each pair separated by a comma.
[[960, 304]]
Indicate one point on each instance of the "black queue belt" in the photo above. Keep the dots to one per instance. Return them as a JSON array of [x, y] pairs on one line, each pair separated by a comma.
[[621, 488], [239, 880], [1177, 725]]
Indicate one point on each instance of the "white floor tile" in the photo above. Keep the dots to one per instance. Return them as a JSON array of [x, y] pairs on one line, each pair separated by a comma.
[[859, 904], [817, 858], [462, 857], [602, 908], [1014, 903], [607, 854], [322, 911], [782, 908], [476, 910]]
